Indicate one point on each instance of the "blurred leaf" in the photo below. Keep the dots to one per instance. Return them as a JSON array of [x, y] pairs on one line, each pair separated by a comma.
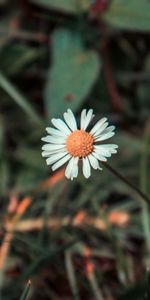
[[4, 168], [143, 94], [72, 74], [129, 14], [139, 291], [48, 256], [27, 179], [2, 129], [5, 24], [5, 176], [11, 90], [3, 2], [13, 58], [30, 157], [143, 90], [71, 6]]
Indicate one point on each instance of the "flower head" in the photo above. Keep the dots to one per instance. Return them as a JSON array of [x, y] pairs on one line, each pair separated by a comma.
[[66, 143]]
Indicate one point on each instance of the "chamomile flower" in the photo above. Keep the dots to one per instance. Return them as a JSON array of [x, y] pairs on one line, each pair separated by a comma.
[[66, 143]]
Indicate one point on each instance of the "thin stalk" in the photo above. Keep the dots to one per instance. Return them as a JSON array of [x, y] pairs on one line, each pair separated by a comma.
[[120, 259], [71, 276], [26, 291], [125, 180], [94, 286]]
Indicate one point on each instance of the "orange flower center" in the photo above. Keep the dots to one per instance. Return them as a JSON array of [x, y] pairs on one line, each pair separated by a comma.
[[80, 143]]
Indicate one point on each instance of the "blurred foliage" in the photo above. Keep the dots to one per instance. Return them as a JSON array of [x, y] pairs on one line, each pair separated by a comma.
[[70, 6], [81, 239], [132, 15], [73, 62]]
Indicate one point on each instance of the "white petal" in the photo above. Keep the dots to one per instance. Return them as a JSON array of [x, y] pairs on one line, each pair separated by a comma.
[[52, 147], [109, 129], [87, 119], [98, 156], [75, 172], [75, 169], [105, 151], [69, 168], [93, 161], [70, 120], [55, 157], [106, 130], [72, 168], [97, 127], [54, 139], [83, 116], [48, 153], [105, 136], [101, 129], [59, 124], [102, 151], [61, 162], [86, 167], [55, 132], [110, 147]]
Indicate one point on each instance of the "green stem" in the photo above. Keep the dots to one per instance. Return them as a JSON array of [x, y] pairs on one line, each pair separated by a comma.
[[126, 181]]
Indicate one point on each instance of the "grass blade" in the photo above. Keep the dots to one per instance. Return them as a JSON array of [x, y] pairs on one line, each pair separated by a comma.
[[11, 90], [26, 291], [71, 275]]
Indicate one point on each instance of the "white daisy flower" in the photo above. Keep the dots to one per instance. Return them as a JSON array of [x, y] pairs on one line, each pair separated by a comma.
[[67, 143]]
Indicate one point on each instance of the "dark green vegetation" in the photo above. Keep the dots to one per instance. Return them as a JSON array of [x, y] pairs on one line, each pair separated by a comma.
[[86, 239]]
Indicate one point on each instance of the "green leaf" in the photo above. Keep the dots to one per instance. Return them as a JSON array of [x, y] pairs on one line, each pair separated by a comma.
[[129, 14], [70, 6], [72, 74]]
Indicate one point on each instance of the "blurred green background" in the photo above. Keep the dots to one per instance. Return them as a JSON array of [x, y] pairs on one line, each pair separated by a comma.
[[86, 239]]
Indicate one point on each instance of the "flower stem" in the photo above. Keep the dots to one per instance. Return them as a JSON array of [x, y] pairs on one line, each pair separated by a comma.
[[125, 180]]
